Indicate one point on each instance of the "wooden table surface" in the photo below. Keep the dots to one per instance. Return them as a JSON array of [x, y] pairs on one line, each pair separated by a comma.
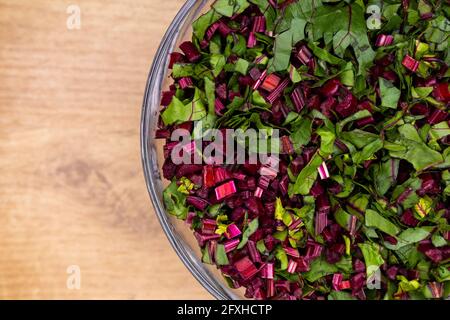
[[72, 192]]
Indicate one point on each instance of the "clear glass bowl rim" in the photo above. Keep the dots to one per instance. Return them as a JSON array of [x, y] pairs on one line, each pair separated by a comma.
[[150, 112]]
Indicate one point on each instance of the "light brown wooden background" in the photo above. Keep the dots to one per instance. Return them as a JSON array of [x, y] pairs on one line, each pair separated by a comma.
[[71, 185]]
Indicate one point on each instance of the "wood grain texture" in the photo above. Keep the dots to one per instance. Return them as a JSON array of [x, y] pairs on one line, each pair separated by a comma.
[[71, 185]]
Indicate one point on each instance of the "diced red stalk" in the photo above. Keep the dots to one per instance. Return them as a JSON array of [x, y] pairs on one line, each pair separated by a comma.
[[267, 271], [292, 266], [197, 202], [437, 116], [384, 40], [258, 192], [441, 92], [264, 182], [208, 226], [337, 281], [268, 171], [304, 55], [345, 285], [251, 41], [190, 51], [259, 24], [313, 250], [255, 73], [230, 245], [410, 63], [270, 288], [212, 246], [208, 176], [175, 57], [323, 171], [185, 83], [365, 121], [162, 134], [260, 80], [295, 224], [284, 183], [246, 268], [225, 190], [271, 82], [219, 107], [253, 251], [275, 94], [321, 222], [166, 98], [202, 238], [286, 144], [331, 87], [426, 15], [298, 99], [233, 231], [224, 29], [212, 30], [292, 252], [190, 217]]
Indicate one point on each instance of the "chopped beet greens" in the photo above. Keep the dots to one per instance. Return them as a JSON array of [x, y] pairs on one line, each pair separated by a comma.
[[359, 207]]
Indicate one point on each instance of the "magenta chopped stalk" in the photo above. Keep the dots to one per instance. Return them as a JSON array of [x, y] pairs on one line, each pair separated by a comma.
[[190, 51], [185, 83], [292, 252], [246, 268], [275, 94], [304, 55], [287, 145], [270, 288], [298, 99], [384, 40], [253, 251], [337, 281], [260, 80], [258, 192], [197, 202], [345, 285], [323, 171], [233, 231], [225, 190], [268, 171], [264, 182], [251, 42], [212, 30], [410, 63], [230, 245], [190, 217], [209, 226], [292, 266], [321, 222], [259, 24], [224, 29], [267, 272]]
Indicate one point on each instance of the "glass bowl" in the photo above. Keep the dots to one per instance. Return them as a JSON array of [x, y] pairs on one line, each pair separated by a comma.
[[178, 233]]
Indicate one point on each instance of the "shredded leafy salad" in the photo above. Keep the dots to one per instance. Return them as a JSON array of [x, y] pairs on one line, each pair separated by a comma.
[[359, 91]]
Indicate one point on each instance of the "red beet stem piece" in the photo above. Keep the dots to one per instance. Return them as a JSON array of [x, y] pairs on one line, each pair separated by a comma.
[[384, 40], [190, 51], [410, 63]]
